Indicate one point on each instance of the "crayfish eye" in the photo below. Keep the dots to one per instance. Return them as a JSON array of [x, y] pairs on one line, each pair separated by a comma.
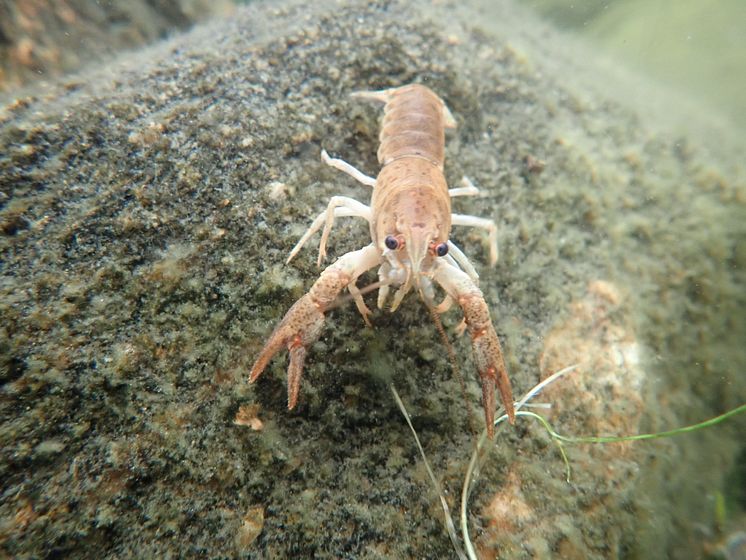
[[441, 249], [391, 242]]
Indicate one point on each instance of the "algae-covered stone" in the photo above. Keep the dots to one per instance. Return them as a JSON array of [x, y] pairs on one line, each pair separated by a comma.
[[147, 211]]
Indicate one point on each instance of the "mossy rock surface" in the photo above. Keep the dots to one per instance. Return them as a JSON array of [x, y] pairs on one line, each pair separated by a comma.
[[148, 208]]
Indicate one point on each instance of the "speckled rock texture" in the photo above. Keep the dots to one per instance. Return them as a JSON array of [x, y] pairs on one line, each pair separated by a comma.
[[42, 39], [147, 211]]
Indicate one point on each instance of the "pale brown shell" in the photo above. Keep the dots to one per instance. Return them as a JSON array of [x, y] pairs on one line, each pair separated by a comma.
[[411, 184]]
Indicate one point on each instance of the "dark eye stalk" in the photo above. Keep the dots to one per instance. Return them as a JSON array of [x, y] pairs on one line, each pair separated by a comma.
[[440, 250], [391, 242]]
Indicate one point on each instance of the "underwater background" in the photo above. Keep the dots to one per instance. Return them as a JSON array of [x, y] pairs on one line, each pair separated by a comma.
[[148, 202]]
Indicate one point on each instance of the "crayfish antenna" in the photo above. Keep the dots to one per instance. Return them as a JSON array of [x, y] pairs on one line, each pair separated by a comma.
[[452, 359]]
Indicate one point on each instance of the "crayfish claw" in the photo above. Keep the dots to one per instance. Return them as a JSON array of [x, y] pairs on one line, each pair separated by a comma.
[[500, 379], [488, 402], [302, 324], [492, 371], [299, 329], [295, 372], [488, 354]]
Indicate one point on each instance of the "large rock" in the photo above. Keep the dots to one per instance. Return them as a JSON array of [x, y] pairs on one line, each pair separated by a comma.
[[147, 212], [41, 39]]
